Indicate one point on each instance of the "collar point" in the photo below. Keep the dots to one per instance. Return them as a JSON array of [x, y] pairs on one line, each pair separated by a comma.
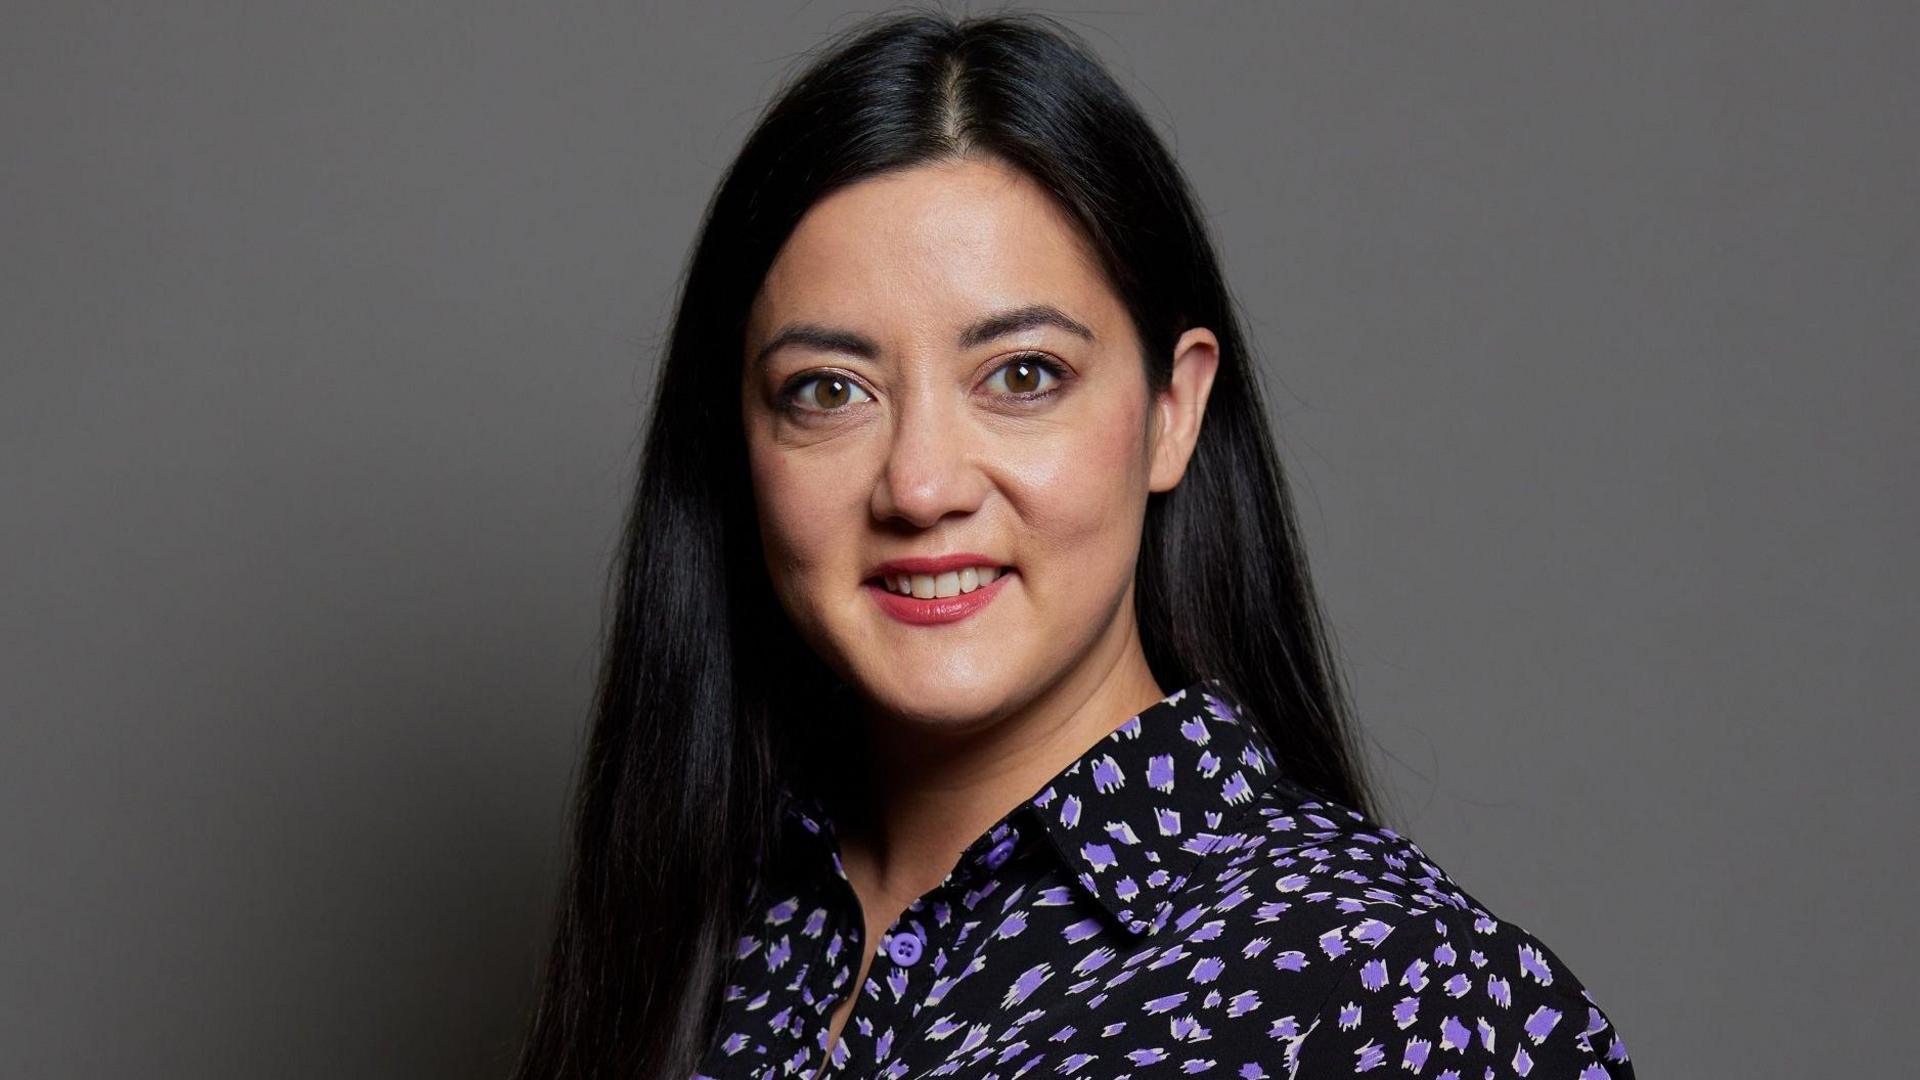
[[1147, 926]]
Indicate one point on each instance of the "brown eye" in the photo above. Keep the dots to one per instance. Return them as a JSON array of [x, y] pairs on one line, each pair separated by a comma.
[[831, 393], [823, 393], [1028, 376]]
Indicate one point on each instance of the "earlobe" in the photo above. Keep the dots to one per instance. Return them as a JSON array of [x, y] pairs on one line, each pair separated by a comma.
[[1163, 467], [1158, 422]]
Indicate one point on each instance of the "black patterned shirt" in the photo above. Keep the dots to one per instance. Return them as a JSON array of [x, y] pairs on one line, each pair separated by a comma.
[[1169, 905]]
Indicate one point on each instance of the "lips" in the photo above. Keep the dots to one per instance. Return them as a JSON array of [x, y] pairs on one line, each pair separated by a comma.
[[937, 610]]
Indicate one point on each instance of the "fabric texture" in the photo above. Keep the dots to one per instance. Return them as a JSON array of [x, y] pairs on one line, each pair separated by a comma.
[[1170, 904]]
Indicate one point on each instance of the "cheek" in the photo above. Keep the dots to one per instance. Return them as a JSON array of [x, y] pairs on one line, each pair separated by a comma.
[[808, 512], [1083, 493]]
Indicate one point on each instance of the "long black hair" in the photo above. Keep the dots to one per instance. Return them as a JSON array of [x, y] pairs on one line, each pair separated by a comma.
[[707, 697]]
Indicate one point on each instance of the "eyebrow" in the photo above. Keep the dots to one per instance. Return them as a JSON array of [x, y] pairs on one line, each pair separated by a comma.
[[997, 325]]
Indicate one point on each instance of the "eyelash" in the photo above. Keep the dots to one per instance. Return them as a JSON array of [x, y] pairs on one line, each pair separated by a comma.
[[1042, 361]]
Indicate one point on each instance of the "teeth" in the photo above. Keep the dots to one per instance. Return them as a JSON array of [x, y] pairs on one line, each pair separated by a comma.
[[933, 586]]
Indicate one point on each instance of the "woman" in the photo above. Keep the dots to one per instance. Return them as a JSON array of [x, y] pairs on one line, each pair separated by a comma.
[[966, 709]]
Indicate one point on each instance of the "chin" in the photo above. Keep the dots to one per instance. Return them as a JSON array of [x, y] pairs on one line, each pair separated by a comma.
[[947, 701]]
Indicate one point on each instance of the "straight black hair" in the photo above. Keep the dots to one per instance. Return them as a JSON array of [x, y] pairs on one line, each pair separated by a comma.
[[707, 697]]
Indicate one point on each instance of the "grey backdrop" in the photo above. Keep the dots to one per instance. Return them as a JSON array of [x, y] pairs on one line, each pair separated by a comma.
[[325, 334]]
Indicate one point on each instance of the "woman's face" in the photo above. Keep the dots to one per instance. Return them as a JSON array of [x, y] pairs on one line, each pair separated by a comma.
[[935, 366]]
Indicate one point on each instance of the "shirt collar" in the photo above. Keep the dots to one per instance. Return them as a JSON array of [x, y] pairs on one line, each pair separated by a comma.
[[1134, 815]]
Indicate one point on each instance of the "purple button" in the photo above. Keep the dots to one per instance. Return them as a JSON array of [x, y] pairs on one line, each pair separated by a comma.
[[999, 853], [904, 948]]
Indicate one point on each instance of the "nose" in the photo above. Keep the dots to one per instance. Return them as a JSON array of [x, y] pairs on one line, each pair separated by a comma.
[[931, 468]]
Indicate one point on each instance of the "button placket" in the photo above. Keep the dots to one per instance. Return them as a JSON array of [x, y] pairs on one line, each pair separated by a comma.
[[908, 965]]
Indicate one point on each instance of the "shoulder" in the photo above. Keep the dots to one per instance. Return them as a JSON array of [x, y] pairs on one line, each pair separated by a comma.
[[1386, 961], [1315, 868]]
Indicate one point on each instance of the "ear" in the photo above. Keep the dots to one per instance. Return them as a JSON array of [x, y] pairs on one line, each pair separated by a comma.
[[1178, 410]]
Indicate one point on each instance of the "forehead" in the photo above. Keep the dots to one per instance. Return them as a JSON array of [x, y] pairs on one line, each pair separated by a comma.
[[919, 251]]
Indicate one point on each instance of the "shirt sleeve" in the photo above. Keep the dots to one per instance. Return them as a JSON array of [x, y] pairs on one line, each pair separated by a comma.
[[1458, 996]]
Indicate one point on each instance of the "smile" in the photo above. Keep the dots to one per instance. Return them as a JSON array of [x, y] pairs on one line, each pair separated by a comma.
[[951, 583], [933, 599]]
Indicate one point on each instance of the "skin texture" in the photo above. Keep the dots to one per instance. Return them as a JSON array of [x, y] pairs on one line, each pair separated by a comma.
[[927, 447]]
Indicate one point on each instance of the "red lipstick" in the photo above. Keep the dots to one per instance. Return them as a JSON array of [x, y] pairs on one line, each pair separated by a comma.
[[937, 610]]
